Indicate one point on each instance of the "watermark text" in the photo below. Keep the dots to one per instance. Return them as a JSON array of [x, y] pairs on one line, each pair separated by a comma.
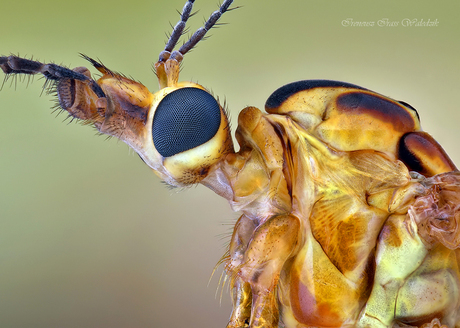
[[386, 22]]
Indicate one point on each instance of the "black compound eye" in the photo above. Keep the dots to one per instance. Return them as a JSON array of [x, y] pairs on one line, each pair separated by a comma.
[[184, 119]]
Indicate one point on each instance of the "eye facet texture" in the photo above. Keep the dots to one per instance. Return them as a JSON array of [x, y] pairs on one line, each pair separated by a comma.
[[184, 119]]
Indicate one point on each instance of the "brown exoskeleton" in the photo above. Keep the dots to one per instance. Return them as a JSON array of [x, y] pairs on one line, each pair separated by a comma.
[[349, 210]]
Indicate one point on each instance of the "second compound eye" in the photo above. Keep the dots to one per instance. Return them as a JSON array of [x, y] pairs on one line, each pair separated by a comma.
[[184, 119]]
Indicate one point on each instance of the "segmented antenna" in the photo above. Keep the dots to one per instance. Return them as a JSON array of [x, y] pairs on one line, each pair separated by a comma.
[[196, 37], [180, 26]]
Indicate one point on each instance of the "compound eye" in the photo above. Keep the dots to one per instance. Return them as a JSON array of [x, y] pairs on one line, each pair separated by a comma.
[[184, 119]]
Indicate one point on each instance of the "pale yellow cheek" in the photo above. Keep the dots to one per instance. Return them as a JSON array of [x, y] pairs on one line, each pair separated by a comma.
[[192, 165]]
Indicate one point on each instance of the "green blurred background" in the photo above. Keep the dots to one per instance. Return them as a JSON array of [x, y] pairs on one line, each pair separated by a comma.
[[89, 237]]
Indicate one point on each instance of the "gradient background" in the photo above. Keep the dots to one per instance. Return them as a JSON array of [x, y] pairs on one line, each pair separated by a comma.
[[89, 237]]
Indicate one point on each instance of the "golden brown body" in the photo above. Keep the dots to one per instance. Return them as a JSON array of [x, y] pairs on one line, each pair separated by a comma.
[[313, 242], [349, 212]]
